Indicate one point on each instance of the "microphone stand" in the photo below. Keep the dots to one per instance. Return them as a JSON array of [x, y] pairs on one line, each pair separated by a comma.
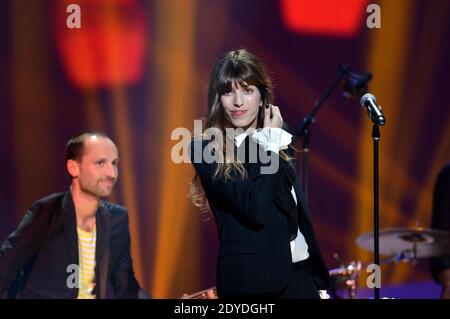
[[376, 198], [376, 201], [355, 86], [303, 130]]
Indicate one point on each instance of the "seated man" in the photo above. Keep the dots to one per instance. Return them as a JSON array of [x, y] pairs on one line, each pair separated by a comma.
[[440, 266], [74, 244]]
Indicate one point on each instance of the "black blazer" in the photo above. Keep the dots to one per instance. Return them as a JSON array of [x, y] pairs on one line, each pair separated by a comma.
[[46, 243], [253, 218]]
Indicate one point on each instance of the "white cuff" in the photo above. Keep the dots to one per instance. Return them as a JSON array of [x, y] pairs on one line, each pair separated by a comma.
[[272, 138], [324, 294]]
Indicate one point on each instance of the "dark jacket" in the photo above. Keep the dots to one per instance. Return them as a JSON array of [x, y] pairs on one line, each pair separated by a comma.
[[441, 217], [40, 251], [254, 218]]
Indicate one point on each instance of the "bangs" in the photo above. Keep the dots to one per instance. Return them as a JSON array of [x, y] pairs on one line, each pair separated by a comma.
[[235, 73]]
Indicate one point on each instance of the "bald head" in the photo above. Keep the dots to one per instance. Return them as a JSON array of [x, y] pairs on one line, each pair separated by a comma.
[[75, 147]]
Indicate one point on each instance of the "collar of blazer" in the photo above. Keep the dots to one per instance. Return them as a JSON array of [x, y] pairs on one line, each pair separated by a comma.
[[102, 241]]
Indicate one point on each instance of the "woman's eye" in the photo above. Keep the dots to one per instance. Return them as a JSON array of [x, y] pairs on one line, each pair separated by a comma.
[[249, 91]]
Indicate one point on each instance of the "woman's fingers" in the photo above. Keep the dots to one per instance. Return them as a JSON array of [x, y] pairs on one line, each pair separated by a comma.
[[272, 116], [267, 115]]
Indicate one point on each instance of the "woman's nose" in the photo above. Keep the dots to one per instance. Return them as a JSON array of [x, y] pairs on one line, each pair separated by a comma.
[[237, 99]]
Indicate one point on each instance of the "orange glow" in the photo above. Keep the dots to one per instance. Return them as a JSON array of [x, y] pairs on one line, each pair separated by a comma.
[[87, 55], [177, 236]]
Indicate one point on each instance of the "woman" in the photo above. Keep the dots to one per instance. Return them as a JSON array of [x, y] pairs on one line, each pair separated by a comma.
[[267, 245]]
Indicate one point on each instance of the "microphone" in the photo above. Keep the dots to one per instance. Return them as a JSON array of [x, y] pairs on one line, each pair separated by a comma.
[[355, 85], [369, 102]]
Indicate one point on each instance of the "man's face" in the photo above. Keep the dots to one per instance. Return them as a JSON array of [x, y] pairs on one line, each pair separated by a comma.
[[98, 168]]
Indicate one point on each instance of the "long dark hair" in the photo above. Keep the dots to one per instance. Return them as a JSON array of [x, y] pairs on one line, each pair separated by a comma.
[[239, 66]]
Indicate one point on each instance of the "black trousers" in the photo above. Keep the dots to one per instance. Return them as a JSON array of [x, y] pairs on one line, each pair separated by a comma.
[[300, 286]]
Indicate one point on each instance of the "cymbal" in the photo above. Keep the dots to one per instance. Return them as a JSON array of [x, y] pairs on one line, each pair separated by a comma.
[[349, 269], [409, 242]]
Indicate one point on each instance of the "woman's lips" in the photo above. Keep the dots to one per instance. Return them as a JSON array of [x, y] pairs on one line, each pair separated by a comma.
[[238, 113]]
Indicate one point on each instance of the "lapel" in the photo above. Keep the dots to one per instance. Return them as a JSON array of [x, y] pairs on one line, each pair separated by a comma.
[[70, 227], [301, 204], [305, 221], [102, 249]]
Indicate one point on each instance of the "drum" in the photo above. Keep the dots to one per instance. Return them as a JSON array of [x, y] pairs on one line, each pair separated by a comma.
[[344, 280], [210, 293]]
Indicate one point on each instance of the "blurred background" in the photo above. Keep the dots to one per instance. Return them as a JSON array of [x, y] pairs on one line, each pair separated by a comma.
[[139, 69]]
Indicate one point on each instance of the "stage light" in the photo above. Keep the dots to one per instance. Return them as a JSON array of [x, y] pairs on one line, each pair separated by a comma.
[[343, 18], [108, 48]]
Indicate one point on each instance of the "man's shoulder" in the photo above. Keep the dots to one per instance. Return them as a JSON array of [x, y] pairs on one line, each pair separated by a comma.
[[49, 200], [45, 207], [445, 171], [113, 208]]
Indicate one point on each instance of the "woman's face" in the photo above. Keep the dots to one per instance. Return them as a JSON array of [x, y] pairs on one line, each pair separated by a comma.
[[242, 105]]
